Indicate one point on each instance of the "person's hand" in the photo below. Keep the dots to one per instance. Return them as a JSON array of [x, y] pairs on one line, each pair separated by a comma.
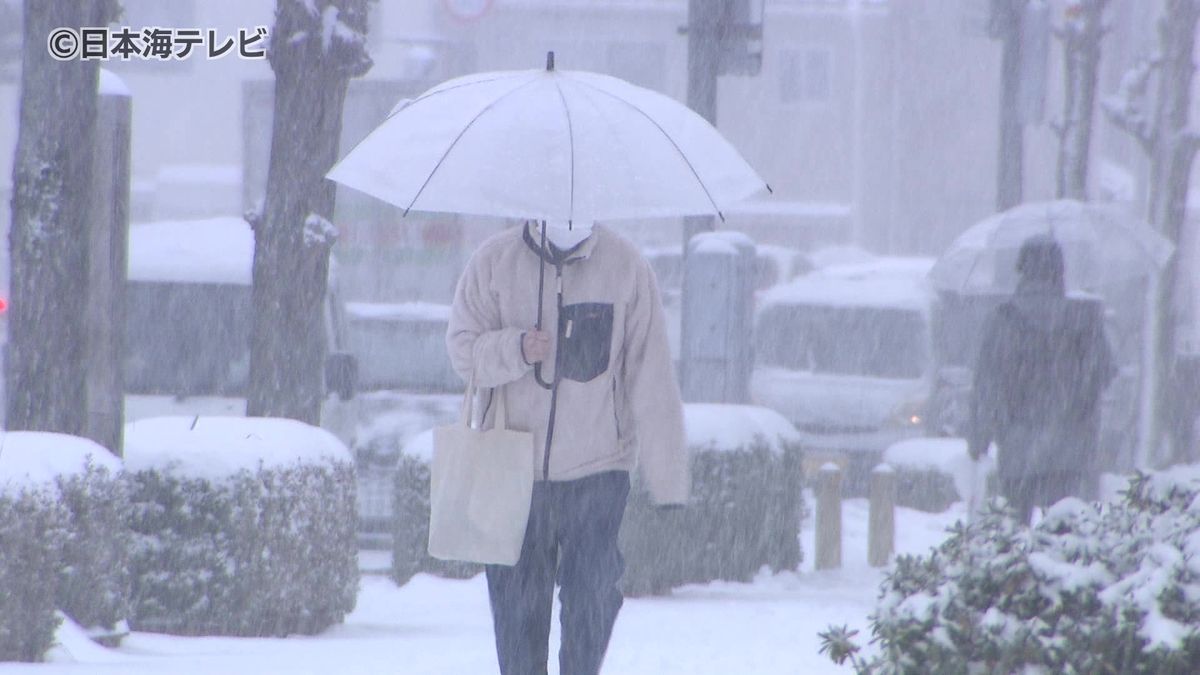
[[535, 346]]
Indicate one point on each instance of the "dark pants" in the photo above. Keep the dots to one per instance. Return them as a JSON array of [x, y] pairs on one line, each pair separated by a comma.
[[1044, 489], [571, 537]]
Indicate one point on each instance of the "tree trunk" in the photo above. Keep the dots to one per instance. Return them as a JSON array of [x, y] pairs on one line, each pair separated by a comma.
[[1081, 36], [1173, 149], [1006, 25], [44, 372], [314, 55]]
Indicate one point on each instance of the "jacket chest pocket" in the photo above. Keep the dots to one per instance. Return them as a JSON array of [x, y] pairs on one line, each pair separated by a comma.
[[584, 340]]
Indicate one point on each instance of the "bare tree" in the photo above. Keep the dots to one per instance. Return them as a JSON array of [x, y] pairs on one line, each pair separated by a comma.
[[10, 40], [1081, 35], [45, 373], [1004, 24], [316, 47], [1152, 105]]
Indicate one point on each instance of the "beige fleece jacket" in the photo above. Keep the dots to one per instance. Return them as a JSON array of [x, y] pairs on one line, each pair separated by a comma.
[[618, 400]]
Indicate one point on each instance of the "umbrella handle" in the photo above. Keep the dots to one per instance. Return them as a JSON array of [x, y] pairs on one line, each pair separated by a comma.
[[537, 367]]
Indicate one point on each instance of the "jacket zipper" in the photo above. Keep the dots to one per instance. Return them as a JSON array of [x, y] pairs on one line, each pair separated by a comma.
[[558, 269], [616, 413]]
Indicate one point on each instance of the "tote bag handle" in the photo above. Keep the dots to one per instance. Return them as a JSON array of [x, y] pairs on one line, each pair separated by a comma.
[[467, 413]]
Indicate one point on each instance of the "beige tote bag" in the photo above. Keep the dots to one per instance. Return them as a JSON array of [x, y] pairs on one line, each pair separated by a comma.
[[481, 484]]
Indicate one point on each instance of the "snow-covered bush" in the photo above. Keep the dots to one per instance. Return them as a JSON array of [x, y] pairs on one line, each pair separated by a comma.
[[95, 582], [410, 539], [242, 526], [1111, 587], [33, 529], [64, 542], [931, 473], [745, 510], [744, 514]]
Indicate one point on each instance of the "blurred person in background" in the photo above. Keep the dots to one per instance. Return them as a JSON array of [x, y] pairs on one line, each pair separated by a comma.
[[1043, 364]]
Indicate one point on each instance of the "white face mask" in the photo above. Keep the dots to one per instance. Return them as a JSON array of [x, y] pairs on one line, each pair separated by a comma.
[[566, 237]]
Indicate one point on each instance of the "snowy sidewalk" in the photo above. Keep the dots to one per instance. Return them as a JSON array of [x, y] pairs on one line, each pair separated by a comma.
[[436, 626]]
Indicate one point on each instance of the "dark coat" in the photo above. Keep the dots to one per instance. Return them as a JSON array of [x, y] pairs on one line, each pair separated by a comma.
[[1043, 364]]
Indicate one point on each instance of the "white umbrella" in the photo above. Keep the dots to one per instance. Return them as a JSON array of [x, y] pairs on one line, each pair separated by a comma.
[[548, 145], [1101, 246]]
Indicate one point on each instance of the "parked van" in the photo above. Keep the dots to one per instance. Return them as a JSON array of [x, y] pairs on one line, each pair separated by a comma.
[[846, 354], [188, 314], [773, 265], [402, 346]]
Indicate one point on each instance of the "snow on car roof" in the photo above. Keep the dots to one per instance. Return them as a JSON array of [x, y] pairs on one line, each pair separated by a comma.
[[886, 266], [212, 251], [402, 311], [896, 283]]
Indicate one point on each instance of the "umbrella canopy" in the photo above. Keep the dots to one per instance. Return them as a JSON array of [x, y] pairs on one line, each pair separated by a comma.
[[1101, 246], [548, 145]]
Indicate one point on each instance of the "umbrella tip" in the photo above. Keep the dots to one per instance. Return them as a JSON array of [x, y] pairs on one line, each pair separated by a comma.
[[549, 61]]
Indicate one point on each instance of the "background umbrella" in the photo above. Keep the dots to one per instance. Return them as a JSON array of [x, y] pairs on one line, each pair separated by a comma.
[[1108, 254], [1101, 246]]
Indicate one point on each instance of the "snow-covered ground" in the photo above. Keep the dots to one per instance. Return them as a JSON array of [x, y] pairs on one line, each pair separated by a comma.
[[434, 625]]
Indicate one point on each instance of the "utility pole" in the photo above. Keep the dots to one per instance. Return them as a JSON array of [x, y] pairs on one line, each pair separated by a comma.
[[724, 38]]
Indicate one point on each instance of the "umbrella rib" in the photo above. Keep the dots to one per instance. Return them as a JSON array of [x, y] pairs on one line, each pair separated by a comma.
[[571, 143], [431, 94], [675, 145], [418, 99], [457, 138]]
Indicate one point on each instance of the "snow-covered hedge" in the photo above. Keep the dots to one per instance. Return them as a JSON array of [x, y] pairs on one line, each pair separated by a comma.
[[33, 528], [744, 514], [64, 542], [242, 526], [1111, 587], [410, 539], [745, 509], [931, 473]]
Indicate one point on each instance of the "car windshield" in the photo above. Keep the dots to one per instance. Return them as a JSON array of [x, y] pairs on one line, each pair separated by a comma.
[[864, 341], [187, 339]]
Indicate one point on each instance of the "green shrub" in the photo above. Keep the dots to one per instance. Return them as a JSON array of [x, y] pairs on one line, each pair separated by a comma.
[[925, 488], [745, 513], [94, 588], [64, 545], [1092, 588], [33, 532], [267, 553]]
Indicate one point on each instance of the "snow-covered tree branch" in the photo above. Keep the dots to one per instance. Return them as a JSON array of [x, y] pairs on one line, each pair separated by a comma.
[[1127, 108]]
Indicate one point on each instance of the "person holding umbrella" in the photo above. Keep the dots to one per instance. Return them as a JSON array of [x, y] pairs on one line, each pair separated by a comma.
[[1043, 364], [561, 316], [612, 402]]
